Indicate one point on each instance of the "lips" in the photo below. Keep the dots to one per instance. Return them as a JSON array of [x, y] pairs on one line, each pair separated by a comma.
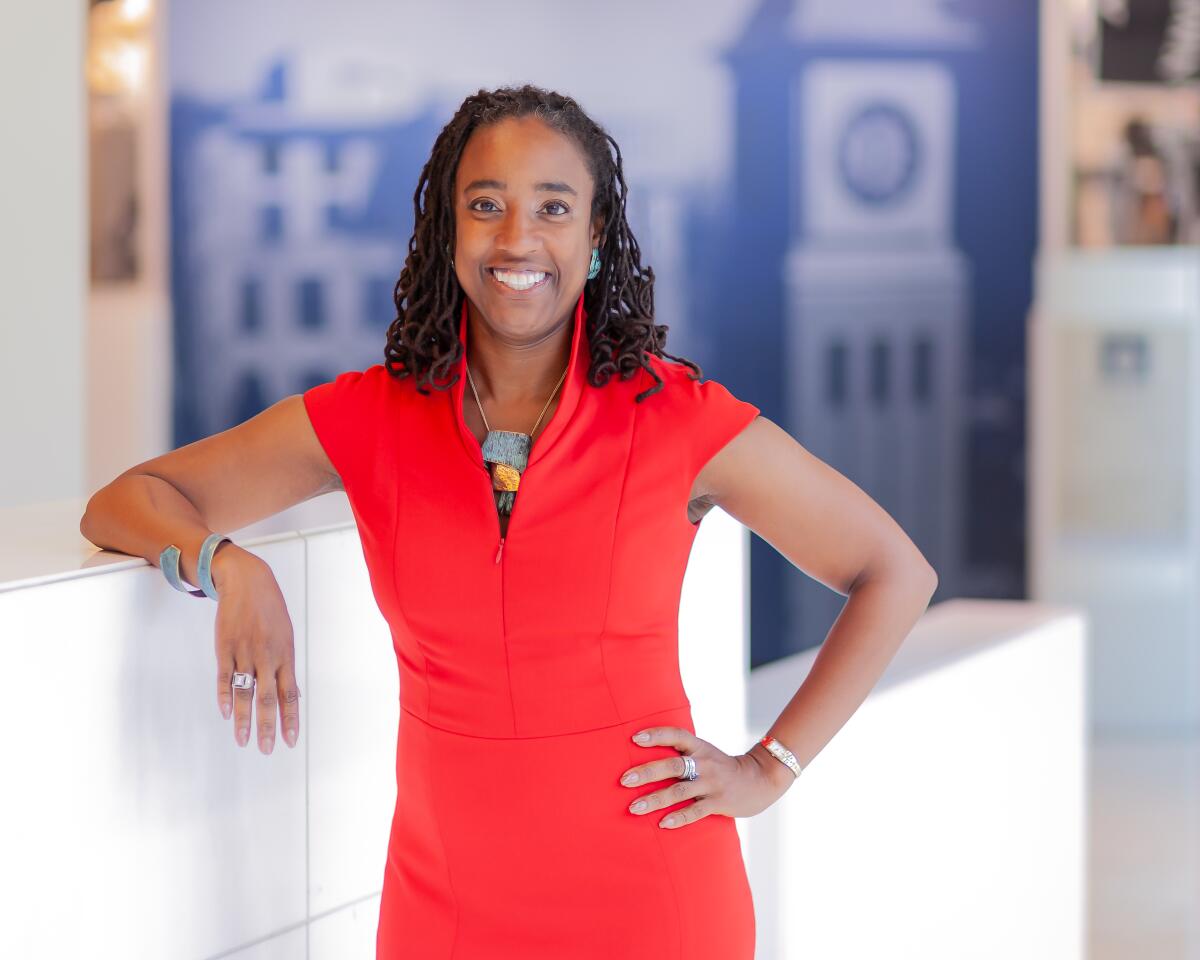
[[522, 268], [518, 293]]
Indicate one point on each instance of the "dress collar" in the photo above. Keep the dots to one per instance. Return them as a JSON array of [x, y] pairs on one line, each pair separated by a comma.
[[568, 395]]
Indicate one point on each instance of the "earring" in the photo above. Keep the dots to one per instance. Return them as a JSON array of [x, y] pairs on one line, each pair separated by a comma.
[[594, 266]]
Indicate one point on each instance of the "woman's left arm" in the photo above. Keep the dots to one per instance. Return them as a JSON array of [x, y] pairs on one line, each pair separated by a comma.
[[834, 532]]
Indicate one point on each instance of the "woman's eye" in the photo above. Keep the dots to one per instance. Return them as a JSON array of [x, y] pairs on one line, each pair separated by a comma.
[[478, 205]]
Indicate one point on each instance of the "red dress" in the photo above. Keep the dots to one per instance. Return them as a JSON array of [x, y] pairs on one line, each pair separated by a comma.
[[524, 671]]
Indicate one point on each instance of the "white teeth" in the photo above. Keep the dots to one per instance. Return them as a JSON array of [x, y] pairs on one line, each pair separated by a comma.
[[519, 279]]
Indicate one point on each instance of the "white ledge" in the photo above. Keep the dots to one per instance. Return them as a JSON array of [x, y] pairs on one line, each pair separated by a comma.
[[40, 543]]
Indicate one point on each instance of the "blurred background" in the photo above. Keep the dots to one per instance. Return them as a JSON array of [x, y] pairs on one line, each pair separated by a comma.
[[952, 246]]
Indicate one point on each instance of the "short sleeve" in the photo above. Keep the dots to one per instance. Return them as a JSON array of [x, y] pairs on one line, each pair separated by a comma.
[[346, 416], [717, 417]]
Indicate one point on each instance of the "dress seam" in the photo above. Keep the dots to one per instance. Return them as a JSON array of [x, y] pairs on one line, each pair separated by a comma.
[[685, 705], [437, 821], [400, 610], [666, 865], [612, 564]]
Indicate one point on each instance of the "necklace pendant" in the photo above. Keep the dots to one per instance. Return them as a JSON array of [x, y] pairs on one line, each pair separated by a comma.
[[506, 453]]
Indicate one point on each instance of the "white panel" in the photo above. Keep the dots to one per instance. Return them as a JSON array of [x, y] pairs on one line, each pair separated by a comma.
[[130, 811], [346, 934], [1114, 518], [954, 793], [953, 801], [714, 639], [44, 249], [355, 711], [714, 649], [284, 946]]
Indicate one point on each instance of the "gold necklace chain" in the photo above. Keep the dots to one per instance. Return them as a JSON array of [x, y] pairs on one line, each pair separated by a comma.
[[471, 380]]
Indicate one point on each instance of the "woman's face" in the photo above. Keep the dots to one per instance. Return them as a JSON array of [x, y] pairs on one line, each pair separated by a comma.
[[523, 201]]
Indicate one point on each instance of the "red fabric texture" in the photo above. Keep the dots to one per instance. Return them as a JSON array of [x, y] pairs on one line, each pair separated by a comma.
[[525, 671]]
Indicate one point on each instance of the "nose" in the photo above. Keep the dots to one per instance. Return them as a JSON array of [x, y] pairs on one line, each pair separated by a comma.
[[517, 234]]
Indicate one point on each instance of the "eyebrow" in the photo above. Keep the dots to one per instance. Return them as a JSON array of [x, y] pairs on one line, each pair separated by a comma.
[[552, 186]]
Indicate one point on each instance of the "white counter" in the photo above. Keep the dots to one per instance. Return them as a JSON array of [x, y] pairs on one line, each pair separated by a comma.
[[944, 820], [948, 817], [133, 826]]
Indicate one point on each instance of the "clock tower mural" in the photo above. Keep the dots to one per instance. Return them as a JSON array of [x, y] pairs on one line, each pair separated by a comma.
[[882, 227]]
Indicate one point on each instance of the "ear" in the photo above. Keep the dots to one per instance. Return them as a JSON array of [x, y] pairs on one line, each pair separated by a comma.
[[597, 232]]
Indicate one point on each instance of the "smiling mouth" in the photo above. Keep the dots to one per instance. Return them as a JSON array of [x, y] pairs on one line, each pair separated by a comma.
[[518, 281]]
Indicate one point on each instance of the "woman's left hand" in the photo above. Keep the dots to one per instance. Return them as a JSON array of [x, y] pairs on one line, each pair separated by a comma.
[[736, 786]]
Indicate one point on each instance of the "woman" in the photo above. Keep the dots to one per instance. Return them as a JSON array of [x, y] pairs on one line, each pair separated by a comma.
[[528, 471]]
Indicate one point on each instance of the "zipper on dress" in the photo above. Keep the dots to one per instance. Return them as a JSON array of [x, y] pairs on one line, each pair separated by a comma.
[[499, 527]]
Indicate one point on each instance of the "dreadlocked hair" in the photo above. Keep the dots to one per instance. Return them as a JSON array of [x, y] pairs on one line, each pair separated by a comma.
[[423, 340]]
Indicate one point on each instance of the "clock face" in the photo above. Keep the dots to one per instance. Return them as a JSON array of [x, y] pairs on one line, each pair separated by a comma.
[[878, 153]]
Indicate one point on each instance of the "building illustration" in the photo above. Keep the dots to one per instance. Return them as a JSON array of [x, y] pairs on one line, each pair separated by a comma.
[[858, 145]]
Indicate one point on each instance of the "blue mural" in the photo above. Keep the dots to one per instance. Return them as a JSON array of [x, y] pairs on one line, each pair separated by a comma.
[[289, 234], [884, 216], [860, 270]]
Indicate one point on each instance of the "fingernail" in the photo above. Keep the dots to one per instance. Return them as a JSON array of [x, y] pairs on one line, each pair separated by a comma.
[[243, 735], [641, 737], [667, 822], [225, 710], [264, 744], [638, 806], [629, 778], [290, 736]]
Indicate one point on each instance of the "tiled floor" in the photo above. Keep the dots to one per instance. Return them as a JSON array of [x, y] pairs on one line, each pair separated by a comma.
[[1144, 849]]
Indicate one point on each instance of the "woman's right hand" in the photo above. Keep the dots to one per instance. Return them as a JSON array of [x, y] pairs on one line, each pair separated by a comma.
[[254, 635]]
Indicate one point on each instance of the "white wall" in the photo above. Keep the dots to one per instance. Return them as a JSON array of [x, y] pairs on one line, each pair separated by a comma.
[[43, 246], [948, 818], [130, 326], [85, 373], [43, 251]]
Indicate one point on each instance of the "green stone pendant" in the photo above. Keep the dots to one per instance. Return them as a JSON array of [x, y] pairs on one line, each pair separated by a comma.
[[506, 453]]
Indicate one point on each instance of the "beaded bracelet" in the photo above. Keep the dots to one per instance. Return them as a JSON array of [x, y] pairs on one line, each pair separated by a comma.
[[168, 562]]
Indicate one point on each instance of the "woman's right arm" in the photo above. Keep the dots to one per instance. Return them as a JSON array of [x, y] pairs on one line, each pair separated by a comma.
[[140, 513], [222, 483]]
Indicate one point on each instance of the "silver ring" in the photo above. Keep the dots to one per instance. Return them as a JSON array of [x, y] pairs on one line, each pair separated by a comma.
[[243, 681], [689, 768]]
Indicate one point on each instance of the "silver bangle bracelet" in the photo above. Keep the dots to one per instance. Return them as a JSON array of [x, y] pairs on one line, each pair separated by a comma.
[[782, 754]]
